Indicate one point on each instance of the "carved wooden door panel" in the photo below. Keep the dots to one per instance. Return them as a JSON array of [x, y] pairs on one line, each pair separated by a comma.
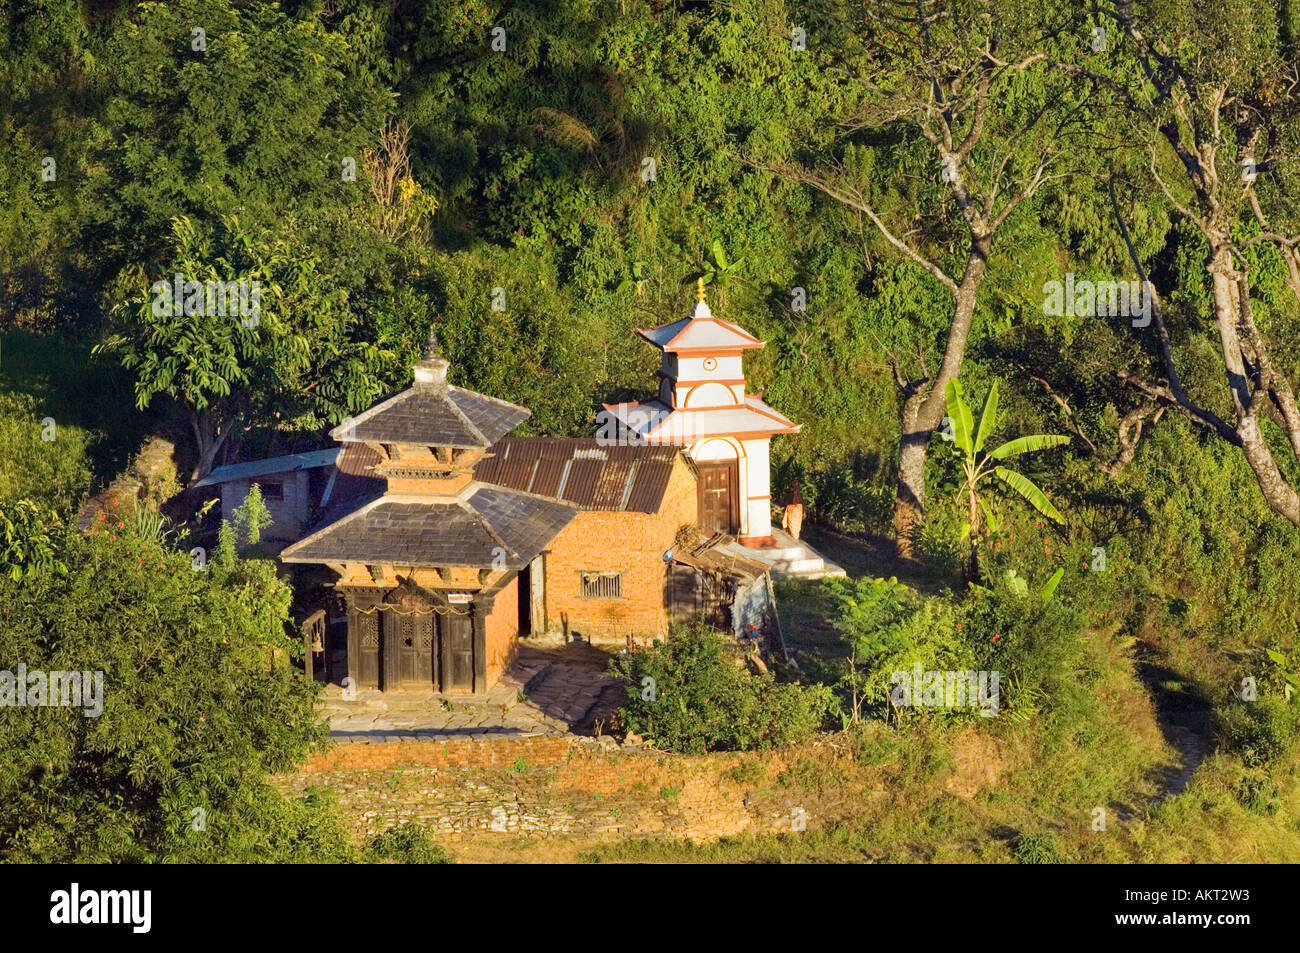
[[368, 649]]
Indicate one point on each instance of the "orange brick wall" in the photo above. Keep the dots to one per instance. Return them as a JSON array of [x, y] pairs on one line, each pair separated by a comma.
[[502, 629], [632, 544]]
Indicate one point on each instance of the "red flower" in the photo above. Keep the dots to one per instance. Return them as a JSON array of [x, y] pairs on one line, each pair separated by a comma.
[[996, 636], [101, 515]]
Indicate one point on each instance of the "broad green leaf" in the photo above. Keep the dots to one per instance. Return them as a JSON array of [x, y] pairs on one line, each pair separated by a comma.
[[1049, 589], [959, 411], [990, 518], [1027, 489], [1027, 444], [719, 255], [987, 416], [1018, 584]]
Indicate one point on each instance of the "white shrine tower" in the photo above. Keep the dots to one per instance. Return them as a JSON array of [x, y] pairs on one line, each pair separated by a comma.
[[702, 405]]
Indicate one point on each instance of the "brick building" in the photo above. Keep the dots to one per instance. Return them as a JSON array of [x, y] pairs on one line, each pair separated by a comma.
[[450, 539], [604, 575]]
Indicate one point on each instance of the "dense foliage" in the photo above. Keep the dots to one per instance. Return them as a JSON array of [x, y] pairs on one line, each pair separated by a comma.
[[693, 693], [385, 168]]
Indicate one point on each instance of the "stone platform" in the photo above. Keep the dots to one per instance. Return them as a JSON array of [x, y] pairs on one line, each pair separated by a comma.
[[790, 558], [548, 691]]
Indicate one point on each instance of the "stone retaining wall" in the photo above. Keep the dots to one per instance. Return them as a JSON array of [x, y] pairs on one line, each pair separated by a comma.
[[590, 789]]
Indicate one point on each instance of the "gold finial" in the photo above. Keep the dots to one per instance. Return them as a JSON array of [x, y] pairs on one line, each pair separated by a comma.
[[699, 289]]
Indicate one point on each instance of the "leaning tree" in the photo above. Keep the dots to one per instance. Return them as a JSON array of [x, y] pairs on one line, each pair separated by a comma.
[[957, 123], [1210, 94]]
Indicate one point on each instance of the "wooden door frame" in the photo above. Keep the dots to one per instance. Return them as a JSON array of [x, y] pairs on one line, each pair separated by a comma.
[[733, 490]]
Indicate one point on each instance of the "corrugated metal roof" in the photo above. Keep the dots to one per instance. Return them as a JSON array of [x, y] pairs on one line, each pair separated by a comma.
[[256, 468], [582, 471]]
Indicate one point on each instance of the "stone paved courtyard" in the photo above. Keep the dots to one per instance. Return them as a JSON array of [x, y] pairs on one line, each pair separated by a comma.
[[550, 690]]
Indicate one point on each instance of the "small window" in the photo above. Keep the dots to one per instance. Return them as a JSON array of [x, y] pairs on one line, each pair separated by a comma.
[[602, 585], [272, 490]]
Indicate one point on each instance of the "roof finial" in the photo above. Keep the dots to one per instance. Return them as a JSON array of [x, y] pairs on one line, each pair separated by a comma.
[[433, 369], [699, 288]]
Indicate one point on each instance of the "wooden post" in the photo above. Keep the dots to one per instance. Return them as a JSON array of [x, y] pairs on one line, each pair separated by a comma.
[[307, 666]]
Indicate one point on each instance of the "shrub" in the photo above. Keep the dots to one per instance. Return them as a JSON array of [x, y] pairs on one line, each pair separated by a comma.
[[1036, 642], [407, 843], [195, 706], [692, 694], [1261, 731], [1040, 848], [890, 628]]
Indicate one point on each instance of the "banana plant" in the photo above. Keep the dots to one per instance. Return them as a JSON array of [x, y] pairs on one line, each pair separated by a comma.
[[719, 271], [1288, 670], [638, 277], [979, 466]]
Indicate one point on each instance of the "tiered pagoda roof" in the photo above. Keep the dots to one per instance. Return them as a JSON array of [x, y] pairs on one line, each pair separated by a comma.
[[424, 442], [700, 335]]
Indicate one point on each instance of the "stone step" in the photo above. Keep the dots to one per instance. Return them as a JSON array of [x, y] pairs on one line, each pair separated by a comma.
[[784, 553], [823, 571], [811, 564]]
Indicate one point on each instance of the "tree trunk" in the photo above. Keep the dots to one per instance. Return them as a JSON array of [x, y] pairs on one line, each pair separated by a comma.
[[1226, 286], [923, 409], [208, 438]]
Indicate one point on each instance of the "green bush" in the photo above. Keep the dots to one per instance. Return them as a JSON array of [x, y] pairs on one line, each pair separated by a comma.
[[1040, 848], [1261, 731], [693, 694], [890, 628], [1036, 643], [407, 843], [54, 472], [194, 703]]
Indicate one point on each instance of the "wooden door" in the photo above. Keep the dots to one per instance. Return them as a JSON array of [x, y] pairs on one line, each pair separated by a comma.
[[407, 650], [536, 595], [368, 649], [719, 511], [424, 662], [457, 653]]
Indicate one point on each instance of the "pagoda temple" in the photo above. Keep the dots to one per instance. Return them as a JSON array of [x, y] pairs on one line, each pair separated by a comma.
[[702, 405], [428, 565]]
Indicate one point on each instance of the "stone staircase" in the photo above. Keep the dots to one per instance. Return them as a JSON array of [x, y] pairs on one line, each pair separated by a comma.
[[791, 558]]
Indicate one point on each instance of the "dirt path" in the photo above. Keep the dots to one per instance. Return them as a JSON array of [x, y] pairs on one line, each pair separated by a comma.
[[1185, 718]]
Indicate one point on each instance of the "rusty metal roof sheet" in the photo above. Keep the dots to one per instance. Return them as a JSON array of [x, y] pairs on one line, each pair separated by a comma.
[[582, 471]]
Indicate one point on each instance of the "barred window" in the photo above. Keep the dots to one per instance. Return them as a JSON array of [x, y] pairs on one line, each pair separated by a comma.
[[602, 585]]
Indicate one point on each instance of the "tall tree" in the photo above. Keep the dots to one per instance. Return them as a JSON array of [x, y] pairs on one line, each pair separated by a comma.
[[1210, 95], [256, 336], [959, 122]]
